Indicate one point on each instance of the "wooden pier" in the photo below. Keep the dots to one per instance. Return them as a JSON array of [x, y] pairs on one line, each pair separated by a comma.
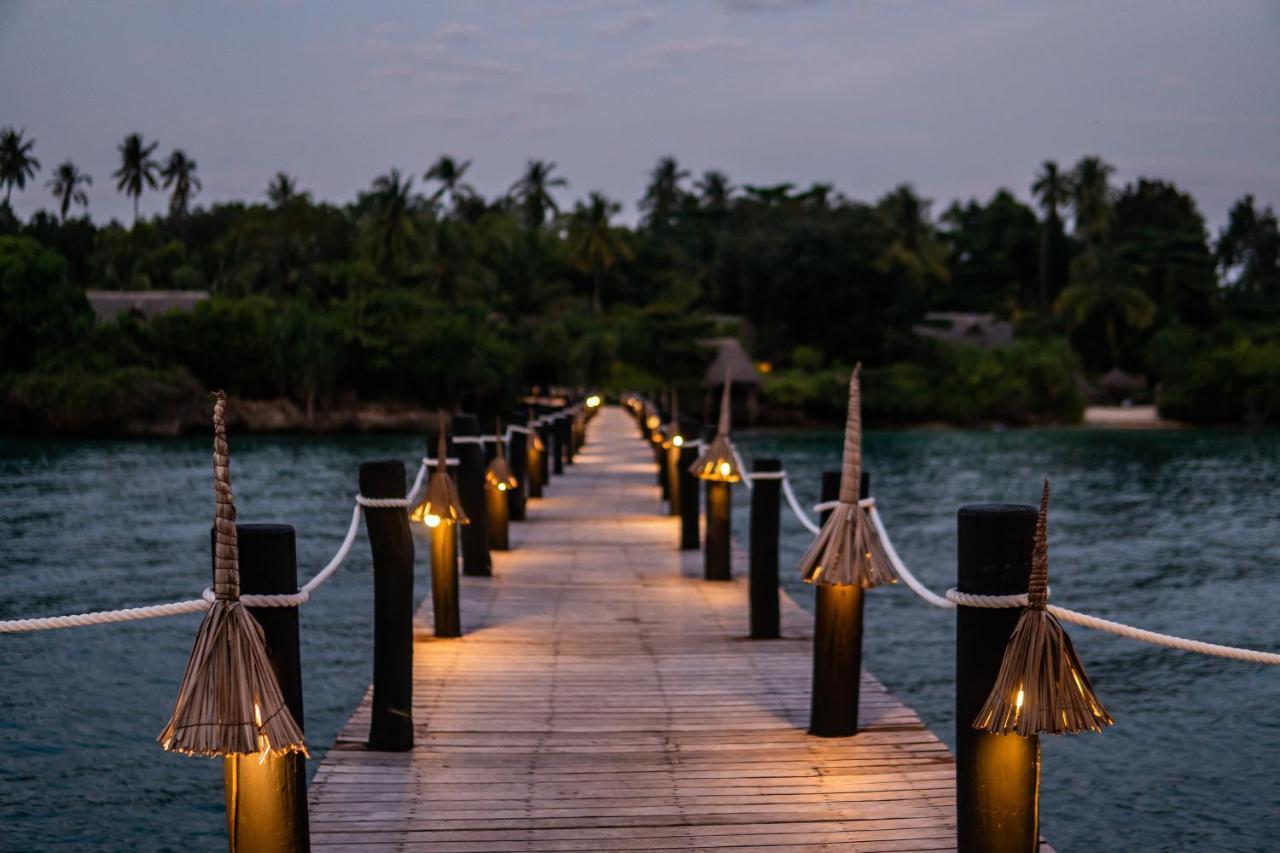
[[604, 697]]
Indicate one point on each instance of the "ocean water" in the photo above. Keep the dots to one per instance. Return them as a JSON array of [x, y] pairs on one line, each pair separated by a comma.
[[1176, 532]]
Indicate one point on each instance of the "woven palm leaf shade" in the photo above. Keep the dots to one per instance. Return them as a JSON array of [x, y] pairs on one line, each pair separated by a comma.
[[718, 461], [229, 702], [1041, 686], [441, 502], [848, 550]]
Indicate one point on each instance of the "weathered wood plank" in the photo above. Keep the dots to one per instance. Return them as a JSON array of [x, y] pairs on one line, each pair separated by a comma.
[[604, 697]]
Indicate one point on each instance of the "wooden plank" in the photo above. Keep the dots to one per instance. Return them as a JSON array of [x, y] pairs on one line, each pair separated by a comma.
[[604, 697]]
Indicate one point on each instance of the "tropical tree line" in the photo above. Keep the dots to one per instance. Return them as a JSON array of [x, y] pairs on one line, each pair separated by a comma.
[[423, 291]]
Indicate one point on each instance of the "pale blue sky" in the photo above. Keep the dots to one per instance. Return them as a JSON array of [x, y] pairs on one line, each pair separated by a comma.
[[958, 97]]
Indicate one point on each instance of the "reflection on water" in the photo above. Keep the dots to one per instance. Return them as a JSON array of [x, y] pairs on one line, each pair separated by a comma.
[[1173, 531]]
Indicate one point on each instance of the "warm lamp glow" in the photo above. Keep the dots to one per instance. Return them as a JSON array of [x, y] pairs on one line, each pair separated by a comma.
[[653, 422], [593, 401], [1018, 701], [502, 487], [725, 469], [764, 366], [678, 441], [432, 520]]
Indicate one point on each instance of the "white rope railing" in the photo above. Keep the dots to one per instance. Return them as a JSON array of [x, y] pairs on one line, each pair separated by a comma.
[[197, 605], [954, 597], [796, 509]]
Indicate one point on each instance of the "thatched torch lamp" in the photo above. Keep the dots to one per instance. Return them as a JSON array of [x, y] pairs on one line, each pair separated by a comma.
[[717, 466], [441, 511], [498, 480], [845, 558]]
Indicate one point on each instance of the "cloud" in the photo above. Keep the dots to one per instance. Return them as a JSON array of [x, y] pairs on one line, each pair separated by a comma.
[[766, 5], [631, 24], [458, 33], [573, 9], [674, 51]]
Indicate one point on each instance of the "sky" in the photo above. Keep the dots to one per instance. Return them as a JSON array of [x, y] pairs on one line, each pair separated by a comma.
[[956, 97]]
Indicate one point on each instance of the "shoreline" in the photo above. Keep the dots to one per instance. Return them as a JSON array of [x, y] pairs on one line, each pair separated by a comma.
[[284, 417]]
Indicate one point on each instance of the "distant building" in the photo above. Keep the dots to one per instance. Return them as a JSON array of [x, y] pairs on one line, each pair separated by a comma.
[[731, 357], [957, 327], [144, 304]]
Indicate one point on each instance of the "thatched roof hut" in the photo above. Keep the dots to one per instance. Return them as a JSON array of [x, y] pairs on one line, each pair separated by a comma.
[[730, 357], [145, 304]]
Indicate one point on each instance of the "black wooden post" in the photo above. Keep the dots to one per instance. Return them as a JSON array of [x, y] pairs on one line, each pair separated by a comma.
[[997, 776], [664, 470], [671, 459], [548, 450], [716, 563], [475, 536], [766, 509], [444, 579], [557, 441], [266, 798], [837, 643], [499, 539], [690, 507], [518, 459], [391, 727]]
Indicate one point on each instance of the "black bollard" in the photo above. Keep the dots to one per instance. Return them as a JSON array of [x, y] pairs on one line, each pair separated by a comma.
[[690, 506], [997, 776], [475, 536], [518, 459], [766, 510], [564, 435], [391, 726], [266, 798], [837, 643]]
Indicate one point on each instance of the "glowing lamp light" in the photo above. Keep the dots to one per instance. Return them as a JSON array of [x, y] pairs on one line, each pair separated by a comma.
[[653, 422], [725, 469], [432, 521], [678, 440], [593, 401]]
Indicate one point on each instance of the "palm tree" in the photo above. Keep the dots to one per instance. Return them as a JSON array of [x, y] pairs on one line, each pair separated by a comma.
[[16, 161], [1052, 189], [715, 190], [1091, 197], [66, 185], [392, 223], [595, 245], [449, 172], [283, 189], [137, 170], [1101, 289], [179, 172], [913, 246], [664, 192], [533, 192]]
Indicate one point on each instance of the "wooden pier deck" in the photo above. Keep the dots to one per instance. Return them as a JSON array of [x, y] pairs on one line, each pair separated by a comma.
[[604, 698]]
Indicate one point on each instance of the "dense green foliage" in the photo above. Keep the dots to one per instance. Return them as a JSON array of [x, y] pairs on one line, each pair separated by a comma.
[[420, 291]]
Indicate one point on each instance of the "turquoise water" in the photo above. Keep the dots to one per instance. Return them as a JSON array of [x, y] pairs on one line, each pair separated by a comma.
[[1173, 531]]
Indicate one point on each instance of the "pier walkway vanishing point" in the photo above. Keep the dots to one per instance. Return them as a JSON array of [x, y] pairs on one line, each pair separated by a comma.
[[604, 697]]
